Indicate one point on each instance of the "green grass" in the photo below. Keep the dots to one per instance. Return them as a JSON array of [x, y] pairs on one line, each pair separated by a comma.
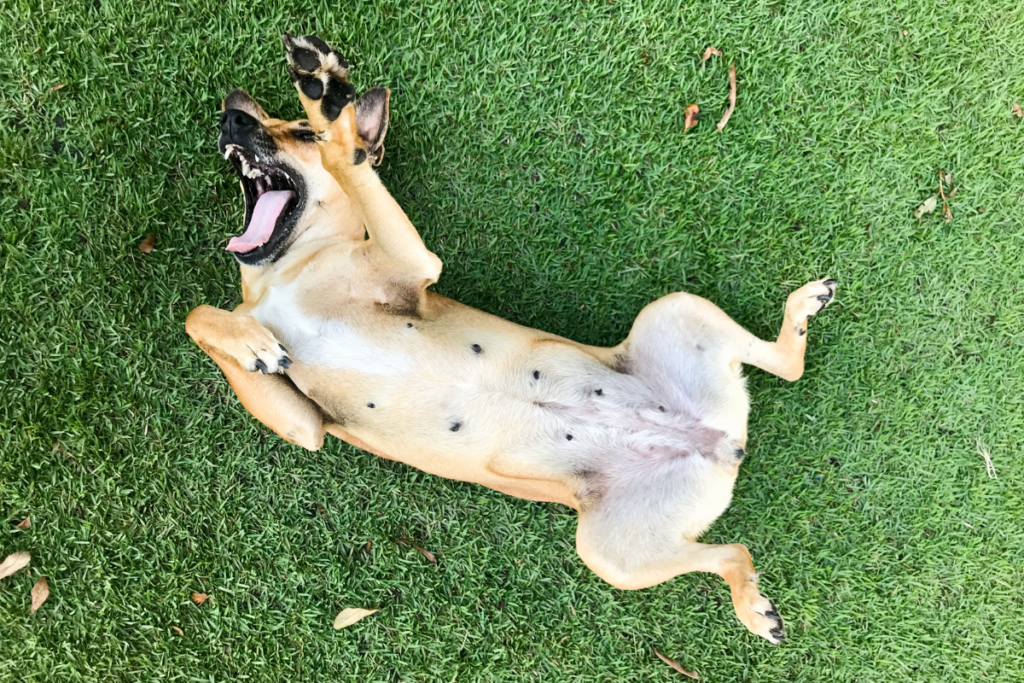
[[539, 148]]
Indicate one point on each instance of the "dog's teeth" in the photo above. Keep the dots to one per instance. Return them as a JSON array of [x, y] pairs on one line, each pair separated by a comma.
[[250, 172]]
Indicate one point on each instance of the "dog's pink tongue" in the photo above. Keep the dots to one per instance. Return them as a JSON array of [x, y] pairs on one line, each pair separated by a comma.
[[264, 217]]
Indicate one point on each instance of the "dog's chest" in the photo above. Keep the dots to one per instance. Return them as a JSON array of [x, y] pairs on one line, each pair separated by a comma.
[[330, 343]]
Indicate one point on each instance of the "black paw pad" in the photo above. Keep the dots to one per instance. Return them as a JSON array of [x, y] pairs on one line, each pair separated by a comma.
[[321, 45], [311, 87], [338, 95], [307, 60]]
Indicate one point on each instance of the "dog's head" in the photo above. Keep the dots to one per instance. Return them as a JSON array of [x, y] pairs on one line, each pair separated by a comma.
[[284, 184]]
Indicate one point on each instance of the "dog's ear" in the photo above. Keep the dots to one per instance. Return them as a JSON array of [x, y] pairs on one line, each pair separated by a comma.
[[372, 121], [243, 101]]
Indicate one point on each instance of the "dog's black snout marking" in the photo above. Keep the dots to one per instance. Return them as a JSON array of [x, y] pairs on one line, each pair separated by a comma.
[[236, 125]]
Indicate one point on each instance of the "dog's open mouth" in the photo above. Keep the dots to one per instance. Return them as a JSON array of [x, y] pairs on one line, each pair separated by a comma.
[[270, 195]]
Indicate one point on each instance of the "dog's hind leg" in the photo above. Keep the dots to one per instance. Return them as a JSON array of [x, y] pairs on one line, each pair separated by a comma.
[[351, 138], [633, 538], [240, 346], [732, 562], [689, 351]]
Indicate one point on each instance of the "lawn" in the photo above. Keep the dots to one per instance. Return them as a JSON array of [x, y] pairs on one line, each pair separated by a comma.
[[539, 148]]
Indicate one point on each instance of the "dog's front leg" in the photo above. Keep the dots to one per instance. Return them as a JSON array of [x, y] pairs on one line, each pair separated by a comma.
[[254, 363], [351, 138]]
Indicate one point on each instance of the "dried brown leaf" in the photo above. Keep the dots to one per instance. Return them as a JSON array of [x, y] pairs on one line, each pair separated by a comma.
[[177, 630], [712, 50], [146, 245], [40, 592], [25, 524], [947, 212], [675, 665], [199, 598], [425, 553], [732, 98], [692, 114], [351, 615], [15, 562], [927, 206], [1018, 111], [57, 87]]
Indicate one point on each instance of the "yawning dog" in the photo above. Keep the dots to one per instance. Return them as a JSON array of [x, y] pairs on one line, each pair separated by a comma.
[[339, 333]]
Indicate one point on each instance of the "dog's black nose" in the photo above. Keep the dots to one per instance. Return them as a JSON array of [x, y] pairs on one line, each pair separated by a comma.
[[236, 125]]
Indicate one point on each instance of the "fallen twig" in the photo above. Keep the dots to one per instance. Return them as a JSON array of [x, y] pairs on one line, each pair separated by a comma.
[[732, 98], [675, 665]]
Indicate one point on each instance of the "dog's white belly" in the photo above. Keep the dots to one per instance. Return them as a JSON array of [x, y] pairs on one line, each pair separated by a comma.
[[471, 402]]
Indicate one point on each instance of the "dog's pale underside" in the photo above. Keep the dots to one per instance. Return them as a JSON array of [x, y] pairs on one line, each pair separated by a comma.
[[338, 333]]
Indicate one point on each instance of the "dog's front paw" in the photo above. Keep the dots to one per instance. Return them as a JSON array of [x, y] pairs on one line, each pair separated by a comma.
[[256, 348], [809, 300], [321, 76]]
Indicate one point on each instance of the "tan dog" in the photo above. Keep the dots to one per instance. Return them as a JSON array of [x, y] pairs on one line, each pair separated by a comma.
[[643, 439]]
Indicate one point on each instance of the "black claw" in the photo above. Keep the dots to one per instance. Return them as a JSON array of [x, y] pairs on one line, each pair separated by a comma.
[[261, 366], [778, 634], [281, 346], [285, 362], [825, 297], [829, 282]]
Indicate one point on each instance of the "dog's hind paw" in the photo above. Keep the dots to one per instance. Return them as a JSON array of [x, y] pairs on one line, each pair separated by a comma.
[[319, 73]]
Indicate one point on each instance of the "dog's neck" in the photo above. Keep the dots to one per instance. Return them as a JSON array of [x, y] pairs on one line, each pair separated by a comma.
[[330, 223]]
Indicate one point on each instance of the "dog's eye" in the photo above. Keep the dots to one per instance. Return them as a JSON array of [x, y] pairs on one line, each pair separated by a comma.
[[304, 135]]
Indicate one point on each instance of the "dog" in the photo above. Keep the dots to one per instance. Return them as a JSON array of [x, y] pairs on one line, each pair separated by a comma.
[[339, 333]]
